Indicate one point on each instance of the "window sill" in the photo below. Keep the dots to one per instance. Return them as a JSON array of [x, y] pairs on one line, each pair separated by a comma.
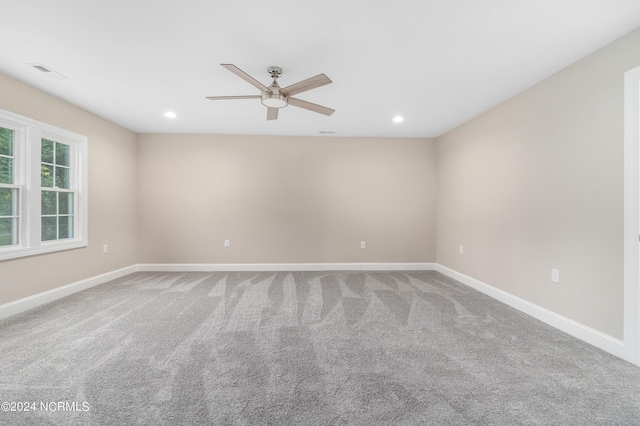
[[9, 253]]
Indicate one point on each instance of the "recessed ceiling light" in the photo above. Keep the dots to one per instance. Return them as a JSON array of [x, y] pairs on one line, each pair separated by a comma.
[[398, 119], [170, 114]]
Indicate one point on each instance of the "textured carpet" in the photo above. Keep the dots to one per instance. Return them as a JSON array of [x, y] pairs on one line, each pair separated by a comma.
[[321, 348]]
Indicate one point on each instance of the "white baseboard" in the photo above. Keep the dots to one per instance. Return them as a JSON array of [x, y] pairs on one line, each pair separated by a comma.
[[30, 302], [569, 326], [235, 267]]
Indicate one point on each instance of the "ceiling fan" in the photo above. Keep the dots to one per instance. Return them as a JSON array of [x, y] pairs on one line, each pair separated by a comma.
[[274, 97]]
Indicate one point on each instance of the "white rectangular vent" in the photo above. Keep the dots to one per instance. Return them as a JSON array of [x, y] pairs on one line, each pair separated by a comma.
[[45, 69]]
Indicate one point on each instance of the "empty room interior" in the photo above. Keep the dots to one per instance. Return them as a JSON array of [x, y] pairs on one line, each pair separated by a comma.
[[328, 213]]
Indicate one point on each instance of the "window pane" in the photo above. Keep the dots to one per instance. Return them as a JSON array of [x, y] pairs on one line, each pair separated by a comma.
[[66, 227], [49, 228], [65, 203], [46, 176], [6, 142], [47, 151], [8, 231], [49, 202], [62, 154], [6, 170], [62, 177], [8, 202]]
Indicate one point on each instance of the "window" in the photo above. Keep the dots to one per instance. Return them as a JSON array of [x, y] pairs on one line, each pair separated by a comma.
[[43, 188], [57, 192], [8, 190]]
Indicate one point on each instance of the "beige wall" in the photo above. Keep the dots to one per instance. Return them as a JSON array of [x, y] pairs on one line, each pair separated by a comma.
[[112, 197], [285, 199], [537, 183]]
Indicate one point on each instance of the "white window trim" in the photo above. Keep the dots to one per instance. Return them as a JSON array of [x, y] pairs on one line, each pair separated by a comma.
[[27, 146]]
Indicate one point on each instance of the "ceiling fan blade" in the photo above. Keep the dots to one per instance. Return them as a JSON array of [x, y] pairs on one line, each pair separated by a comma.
[[221, 98], [246, 77], [304, 85], [311, 107], [272, 113]]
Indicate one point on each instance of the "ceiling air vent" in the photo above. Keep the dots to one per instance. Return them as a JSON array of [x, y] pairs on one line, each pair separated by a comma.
[[45, 69]]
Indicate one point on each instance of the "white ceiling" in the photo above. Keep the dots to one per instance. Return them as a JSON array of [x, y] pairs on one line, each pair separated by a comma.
[[438, 63]]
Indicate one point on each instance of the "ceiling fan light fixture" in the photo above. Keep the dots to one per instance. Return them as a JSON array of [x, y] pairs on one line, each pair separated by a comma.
[[274, 100]]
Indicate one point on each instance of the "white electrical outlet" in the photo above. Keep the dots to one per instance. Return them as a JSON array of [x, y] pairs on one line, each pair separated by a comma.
[[105, 248], [555, 275], [363, 244], [461, 250], [227, 243]]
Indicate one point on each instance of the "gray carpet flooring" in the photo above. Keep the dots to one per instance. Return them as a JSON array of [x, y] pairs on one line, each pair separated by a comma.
[[302, 348]]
